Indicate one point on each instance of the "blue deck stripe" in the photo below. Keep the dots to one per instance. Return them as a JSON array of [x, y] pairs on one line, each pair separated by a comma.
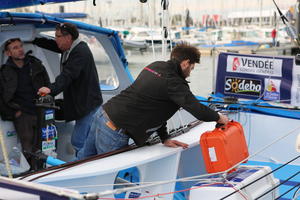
[[290, 183]]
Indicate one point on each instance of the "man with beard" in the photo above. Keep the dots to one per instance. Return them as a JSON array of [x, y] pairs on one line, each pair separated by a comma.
[[21, 77], [153, 98]]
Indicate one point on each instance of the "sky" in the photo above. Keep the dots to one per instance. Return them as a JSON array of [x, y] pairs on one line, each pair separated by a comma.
[[126, 9]]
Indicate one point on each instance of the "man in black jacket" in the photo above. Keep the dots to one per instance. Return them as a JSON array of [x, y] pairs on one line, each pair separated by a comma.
[[78, 80], [21, 77], [157, 93]]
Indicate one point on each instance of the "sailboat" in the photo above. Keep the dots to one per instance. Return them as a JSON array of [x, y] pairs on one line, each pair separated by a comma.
[[154, 171]]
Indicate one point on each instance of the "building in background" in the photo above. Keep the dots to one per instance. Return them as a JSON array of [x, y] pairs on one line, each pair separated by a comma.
[[128, 13]]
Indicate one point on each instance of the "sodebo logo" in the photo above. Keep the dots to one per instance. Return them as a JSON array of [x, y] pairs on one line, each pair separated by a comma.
[[235, 85]]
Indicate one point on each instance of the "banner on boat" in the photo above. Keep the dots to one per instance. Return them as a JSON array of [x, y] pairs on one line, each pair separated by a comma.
[[258, 77]]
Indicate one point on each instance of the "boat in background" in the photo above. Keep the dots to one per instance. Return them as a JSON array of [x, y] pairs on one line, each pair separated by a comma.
[[194, 37], [228, 39], [252, 39], [151, 36], [124, 33]]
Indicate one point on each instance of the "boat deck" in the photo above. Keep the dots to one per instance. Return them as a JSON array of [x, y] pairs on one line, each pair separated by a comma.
[[283, 174]]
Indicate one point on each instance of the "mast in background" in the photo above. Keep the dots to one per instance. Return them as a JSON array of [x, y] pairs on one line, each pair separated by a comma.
[[260, 13], [297, 17]]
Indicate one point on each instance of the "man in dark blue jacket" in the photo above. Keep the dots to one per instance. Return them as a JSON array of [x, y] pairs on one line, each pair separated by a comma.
[[78, 80], [21, 77], [154, 97]]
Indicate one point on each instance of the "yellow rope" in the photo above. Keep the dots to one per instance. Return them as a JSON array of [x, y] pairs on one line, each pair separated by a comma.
[[5, 155]]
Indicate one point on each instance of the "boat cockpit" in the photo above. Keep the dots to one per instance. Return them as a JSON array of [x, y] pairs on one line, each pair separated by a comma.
[[108, 55], [111, 65]]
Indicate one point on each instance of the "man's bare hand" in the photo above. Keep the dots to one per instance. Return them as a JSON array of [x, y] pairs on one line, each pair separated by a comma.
[[18, 114], [44, 91], [175, 143], [223, 119]]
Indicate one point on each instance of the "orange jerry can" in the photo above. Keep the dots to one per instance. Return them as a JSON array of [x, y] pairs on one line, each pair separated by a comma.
[[223, 147]]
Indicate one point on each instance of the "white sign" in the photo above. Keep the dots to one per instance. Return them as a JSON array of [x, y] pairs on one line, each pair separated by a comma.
[[46, 145], [272, 89], [295, 90], [254, 65], [212, 154]]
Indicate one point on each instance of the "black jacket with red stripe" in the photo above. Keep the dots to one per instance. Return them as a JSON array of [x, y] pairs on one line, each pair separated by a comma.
[[154, 97]]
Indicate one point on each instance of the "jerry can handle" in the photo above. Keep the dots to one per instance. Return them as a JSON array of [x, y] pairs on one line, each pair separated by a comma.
[[222, 126], [219, 125]]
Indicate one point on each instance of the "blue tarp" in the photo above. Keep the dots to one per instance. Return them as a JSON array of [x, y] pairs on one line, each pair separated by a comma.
[[5, 4]]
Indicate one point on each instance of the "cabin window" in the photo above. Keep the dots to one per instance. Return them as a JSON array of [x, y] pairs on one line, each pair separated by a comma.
[[107, 75]]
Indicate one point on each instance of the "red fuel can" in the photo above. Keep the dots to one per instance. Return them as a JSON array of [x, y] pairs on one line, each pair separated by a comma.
[[223, 147]]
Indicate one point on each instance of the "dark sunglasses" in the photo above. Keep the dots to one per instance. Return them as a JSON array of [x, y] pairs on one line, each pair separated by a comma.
[[64, 29], [8, 42], [67, 29]]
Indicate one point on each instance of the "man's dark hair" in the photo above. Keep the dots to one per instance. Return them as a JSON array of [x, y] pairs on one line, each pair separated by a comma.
[[184, 51], [9, 41], [68, 28]]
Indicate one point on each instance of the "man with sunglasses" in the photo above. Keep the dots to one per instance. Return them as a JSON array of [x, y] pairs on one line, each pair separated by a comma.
[[78, 80], [21, 77]]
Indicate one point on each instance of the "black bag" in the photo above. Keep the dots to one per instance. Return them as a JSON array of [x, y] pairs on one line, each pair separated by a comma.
[[59, 113]]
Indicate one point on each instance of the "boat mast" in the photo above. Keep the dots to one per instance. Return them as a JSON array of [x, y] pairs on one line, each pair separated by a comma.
[[260, 13], [165, 25], [297, 18]]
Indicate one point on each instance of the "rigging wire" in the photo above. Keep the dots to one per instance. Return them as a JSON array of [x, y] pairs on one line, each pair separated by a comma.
[[263, 176], [279, 197], [199, 180], [192, 177], [220, 173], [243, 194], [160, 194], [286, 22], [290, 29], [223, 173], [294, 198], [195, 177], [265, 147], [296, 195], [271, 189]]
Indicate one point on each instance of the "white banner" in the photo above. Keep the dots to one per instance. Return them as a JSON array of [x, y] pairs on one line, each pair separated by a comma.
[[295, 90], [254, 65]]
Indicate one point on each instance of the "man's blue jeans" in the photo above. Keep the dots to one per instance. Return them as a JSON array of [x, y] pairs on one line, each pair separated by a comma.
[[81, 129], [101, 138]]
